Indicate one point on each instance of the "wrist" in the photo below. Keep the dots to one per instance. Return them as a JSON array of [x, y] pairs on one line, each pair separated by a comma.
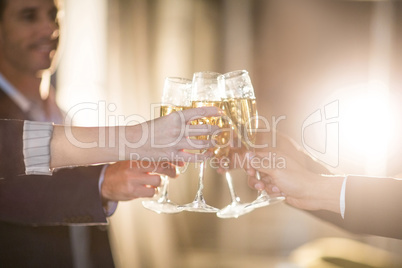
[[103, 188], [109, 206], [328, 193], [134, 141]]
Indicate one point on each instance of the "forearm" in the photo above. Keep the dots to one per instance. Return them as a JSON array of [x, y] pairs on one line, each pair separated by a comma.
[[318, 192], [81, 146], [77, 146]]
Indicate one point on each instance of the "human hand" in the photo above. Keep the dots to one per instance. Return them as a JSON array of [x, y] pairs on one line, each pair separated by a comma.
[[166, 138], [128, 180], [302, 188], [265, 142]]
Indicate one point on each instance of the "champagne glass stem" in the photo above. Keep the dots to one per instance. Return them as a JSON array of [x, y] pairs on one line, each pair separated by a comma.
[[229, 180], [199, 204], [235, 208], [199, 196], [162, 204], [205, 92], [165, 190], [263, 199]]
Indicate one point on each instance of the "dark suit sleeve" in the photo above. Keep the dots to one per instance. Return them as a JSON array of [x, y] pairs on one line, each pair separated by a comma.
[[69, 196], [374, 206], [11, 152]]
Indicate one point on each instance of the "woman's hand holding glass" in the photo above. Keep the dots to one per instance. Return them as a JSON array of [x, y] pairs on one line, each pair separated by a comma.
[[176, 98], [167, 137]]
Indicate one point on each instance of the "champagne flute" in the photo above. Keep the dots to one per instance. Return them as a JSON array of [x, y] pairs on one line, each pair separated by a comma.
[[175, 97], [205, 92], [236, 105], [242, 110]]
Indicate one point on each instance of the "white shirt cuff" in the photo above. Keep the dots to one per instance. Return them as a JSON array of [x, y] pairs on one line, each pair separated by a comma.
[[342, 197], [36, 147], [111, 206]]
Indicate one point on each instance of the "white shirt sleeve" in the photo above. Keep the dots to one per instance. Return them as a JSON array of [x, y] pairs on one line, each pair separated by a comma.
[[342, 197], [36, 147]]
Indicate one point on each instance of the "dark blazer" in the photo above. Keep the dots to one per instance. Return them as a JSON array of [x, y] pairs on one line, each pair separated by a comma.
[[373, 205], [11, 155], [35, 212]]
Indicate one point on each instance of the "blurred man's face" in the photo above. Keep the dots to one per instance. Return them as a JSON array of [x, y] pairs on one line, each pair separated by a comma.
[[29, 35]]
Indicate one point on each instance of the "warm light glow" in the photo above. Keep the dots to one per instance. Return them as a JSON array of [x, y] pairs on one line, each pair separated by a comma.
[[368, 120], [81, 74], [45, 85], [366, 125]]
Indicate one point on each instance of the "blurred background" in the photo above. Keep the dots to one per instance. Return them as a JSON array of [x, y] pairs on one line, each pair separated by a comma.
[[304, 57]]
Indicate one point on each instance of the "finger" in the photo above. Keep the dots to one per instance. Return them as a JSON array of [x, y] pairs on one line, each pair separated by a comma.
[[265, 178], [253, 183], [272, 189], [142, 166], [251, 172], [165, 168], [145, 179], [197, 113], [153, 180], [201, 130], [143, 191], [259, 185], [179, 164], [193, 144]]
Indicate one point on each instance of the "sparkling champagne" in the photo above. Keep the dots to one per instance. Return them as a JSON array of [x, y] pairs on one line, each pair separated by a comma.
[[243, 116], [168, 109]]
